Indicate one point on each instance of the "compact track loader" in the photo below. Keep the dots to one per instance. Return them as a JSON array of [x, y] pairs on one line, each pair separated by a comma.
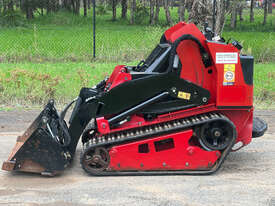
[[180, 111]]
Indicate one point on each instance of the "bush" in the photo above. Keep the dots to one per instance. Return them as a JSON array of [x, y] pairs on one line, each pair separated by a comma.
[[101, 9], [12, 19], [141, 12]]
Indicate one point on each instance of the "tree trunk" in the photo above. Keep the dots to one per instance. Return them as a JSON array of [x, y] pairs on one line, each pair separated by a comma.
[[85, 7], [28, 10], [76, 6], [10, 5], [21, 2], [114, 3], [181, 10], [233, 23], [89, 4], [133, 10], [167, 12], [30, 13], [265, 11], [252, 10], [77, 11], [4, 5], [124, 9], [156, 17], [270, 6], [49, 8], [67, 5], [152, 12], [220, 17], [17, 4], [201, 12], [241, 11]]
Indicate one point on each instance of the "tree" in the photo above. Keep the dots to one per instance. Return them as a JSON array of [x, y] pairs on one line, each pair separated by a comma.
[[167, 12], [48, 6], [66, 4], [252, 3], [124, 8], [114, 4], [156, 17], [241, 6], [202, 11], [152, 11], [133, 10], [220, 16], [233, 22], [265, 11], [76, 6], [85, 7], [181, 10], [89, 4], [10, 6], [270, 6]]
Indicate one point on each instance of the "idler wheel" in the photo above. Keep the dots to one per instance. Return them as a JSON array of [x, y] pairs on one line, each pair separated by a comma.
[[216, 135]]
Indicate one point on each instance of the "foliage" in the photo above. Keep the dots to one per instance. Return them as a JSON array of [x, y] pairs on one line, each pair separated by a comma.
[[12, 19], [140, 14], [102, 9], [62, 36]]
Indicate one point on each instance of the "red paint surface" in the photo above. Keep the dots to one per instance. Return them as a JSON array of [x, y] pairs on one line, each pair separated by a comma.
[[102, 125], [118, 76], [184, 156]]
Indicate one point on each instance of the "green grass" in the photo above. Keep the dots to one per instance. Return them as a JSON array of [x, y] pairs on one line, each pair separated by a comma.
[[259, 44], [51, 56], [34, 84], [64, 37], [264, 85], [29, 83]]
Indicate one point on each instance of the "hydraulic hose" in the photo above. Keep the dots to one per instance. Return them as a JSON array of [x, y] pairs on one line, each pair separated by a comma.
[[204, 54]]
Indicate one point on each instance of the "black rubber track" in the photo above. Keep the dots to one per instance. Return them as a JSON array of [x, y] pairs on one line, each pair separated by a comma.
[[190, 122]]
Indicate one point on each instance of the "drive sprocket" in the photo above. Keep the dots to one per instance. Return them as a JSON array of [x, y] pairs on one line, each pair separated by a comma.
[[95, 160]]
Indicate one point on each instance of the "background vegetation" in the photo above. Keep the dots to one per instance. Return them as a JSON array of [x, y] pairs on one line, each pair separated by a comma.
[[49, 55]]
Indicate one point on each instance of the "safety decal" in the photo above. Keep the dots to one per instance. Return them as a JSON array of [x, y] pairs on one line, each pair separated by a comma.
[[184, 95], [226, 58], [229, 74]]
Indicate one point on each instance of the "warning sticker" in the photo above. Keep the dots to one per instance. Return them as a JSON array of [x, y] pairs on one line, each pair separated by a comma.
[[184, 95], [226, 58], [229, 74]]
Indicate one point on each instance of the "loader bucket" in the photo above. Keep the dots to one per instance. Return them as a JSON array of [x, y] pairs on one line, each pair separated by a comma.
[[43, 147]]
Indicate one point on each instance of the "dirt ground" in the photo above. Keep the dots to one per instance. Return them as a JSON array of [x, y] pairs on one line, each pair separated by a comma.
[[246, 178]]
